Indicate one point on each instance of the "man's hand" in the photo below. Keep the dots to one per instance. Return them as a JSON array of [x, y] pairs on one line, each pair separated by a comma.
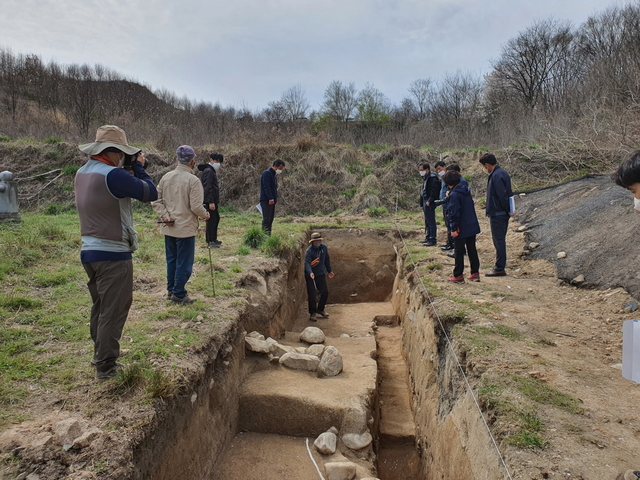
[[212, 206], [455, 233], [312, 276], [168, 221], [331, 275], [271, 202]]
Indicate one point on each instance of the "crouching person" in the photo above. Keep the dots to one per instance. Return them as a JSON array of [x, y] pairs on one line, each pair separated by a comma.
[[464, 227], [103, 191]]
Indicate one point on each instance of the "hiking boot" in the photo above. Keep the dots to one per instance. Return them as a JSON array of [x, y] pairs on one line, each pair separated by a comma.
[[323, 314], [184, 300], [103, 374], [474, 277], [495, 273], [458, 279], [312, 317], [632, 475], [213, 245]]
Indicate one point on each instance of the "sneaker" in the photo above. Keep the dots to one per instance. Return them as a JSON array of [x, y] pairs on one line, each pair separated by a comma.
[[474, 277], [312, 317], [323, 314], [183, 300], [632, 475], [103, 374], [458, 279], [219, 242], [424, 241], [213, 245], [446, 248], [495, 273], [451, 255]]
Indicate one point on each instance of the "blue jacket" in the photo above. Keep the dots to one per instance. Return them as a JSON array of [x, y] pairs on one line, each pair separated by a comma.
[[498, 192], [268, 186], [461, 212], [314, 252], [430, 190]]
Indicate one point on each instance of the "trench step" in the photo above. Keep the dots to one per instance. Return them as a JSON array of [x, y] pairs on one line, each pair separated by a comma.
[[291, 402]]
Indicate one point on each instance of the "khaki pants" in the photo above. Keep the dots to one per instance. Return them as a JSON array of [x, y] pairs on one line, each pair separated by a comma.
[[111, 288]]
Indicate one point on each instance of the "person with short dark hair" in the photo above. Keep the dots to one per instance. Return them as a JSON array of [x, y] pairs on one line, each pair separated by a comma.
[[429, 194], [628, 176], [180, 203], [498, 208], [211, 189], [441, 169], [464, 227], [269, 194], [104, 186], [317, 266]]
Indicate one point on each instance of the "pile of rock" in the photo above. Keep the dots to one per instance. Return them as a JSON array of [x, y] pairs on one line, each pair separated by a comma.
[[327, 444], [325, 360]]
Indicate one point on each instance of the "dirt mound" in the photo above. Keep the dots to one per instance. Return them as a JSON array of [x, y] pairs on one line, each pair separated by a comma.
[[593, 221]]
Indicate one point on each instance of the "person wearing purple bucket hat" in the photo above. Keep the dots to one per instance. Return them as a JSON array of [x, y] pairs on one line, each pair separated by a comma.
[[179, 204]]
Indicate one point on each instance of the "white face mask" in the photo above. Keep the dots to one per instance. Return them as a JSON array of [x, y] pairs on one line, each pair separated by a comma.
[[636, 204], [278, 172], [215, 166], [423, 173], [441, 173]]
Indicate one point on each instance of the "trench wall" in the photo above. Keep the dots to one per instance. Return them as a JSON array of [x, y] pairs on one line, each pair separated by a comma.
[[450, 435]]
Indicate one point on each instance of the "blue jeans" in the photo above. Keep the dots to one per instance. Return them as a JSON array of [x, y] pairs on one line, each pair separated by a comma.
[[180, 253], [499, 225]]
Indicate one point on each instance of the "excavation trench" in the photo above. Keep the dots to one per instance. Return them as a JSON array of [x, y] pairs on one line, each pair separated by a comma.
[[248, 418]]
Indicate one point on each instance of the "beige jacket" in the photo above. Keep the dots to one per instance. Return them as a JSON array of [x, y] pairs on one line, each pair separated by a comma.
[[180, 197]]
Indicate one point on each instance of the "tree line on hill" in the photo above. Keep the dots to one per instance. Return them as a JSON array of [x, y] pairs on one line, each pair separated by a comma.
[[552, 84]]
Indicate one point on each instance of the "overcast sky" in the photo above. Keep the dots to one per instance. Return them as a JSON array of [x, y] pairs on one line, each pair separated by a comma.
[[247, 52]]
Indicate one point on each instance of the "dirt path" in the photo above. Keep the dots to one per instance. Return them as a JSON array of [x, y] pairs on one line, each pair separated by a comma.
[[568, 338]]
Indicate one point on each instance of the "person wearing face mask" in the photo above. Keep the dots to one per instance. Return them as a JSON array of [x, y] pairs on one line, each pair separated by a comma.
[[269, 194], [211, 189], [429, 194], [180, 203], [441, 168], [628, 176], [103, 193]]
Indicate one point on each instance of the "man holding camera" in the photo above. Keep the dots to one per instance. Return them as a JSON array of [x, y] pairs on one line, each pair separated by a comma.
[[179, 204], [103, 192]]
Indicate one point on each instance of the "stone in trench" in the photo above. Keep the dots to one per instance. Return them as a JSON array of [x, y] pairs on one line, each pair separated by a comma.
[[333, 430], [84, 440], [340, 470], [521, 228], [301, 350], [255, 334], [534, 245], [278, 350], [330, 363], [357, 441], [256, 345], [300, 361], [317, 350], [271, 341], [578, 280], [312, 335], [561, 255], [326, 443]]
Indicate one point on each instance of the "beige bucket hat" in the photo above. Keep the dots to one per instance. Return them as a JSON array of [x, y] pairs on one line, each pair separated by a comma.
[[108, 136], [315, 237]]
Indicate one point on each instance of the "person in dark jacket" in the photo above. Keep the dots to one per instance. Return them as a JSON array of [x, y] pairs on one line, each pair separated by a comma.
[[269, 194], [441, 169], [464, 227], [103, 190], [429, 194], [209, 181], [499, 210], [316, 268]]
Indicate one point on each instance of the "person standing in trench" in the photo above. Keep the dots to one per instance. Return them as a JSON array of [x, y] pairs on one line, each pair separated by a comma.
[[317, 266]]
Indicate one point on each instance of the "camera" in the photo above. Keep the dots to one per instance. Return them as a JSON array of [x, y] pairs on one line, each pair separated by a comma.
[[129, 159]]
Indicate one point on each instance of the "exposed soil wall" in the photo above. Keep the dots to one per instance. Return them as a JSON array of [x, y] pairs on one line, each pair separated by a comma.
[[450, 434]]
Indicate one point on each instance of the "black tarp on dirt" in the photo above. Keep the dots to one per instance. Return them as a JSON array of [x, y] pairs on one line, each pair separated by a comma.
[[593, 221]]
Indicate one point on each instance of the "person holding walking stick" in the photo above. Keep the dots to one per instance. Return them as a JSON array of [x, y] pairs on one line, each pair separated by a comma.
[[316, 268]]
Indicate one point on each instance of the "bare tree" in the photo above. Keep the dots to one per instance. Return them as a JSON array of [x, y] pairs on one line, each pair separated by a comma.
[[82, 100], [373, 105], [340, 100], [458, 98], [295, 104], [421, 91]]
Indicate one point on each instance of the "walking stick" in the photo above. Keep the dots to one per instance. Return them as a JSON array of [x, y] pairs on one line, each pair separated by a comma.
[[213, 287]]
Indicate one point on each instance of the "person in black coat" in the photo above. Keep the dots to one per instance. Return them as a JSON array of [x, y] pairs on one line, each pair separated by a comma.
[[317, 266], [499, 210], [211, 189], [464, 227], [429, 194], [269, 194]]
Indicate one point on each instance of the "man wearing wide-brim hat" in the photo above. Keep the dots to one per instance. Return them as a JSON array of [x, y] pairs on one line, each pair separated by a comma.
[[103, 191], [317, 266]]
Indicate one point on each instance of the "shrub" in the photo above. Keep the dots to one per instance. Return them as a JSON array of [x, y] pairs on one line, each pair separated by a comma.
[[70, 170], [275, 247], [52, 140], [55, 209], [4, 138], [254, 237], [377, 211], [243, 250], [159, 385]]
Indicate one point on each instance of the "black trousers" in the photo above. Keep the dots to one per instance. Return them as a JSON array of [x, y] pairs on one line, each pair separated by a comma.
[[446, 222], [268, 213], [212, 224], [468, 244], [321, 284], [430, 231], [499, 225]]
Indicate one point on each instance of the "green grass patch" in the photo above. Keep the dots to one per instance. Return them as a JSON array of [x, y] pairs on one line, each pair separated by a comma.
[[254, 237], [541, 392], [377, 211]]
